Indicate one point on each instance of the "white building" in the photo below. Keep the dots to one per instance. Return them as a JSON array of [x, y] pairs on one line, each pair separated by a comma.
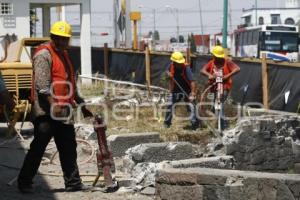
[[15, 19], [290, 14]]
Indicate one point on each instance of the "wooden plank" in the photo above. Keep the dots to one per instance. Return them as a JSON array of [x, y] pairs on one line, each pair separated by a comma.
[[106, 51], [148, 66], [265, 82], [188, 56]]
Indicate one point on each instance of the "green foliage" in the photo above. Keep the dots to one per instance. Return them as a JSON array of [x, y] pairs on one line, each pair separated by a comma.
[[156, 35], [192, 43]]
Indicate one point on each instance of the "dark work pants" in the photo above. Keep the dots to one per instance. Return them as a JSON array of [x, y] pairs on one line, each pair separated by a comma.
[[64, 136], [191, 108]]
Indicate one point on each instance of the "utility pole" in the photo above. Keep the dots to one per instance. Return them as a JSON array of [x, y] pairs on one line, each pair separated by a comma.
[[175, 12], [128, 32], [225, 23], [154, 20], [255, 12], [177, 21], [115, 21], [201, 23]]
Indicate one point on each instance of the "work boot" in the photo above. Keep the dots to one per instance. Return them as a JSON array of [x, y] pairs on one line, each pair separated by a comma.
[[167, 125], [110, 189], [81, 187], [26, 189], [196, 125]]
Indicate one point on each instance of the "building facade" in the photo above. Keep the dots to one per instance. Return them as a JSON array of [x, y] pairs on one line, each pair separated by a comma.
[[290, 14]]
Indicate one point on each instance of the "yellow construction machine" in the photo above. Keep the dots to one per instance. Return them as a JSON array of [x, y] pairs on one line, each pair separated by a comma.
[[17, 75]]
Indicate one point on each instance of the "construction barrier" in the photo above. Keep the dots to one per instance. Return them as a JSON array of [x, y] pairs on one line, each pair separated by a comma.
[[282, 90]]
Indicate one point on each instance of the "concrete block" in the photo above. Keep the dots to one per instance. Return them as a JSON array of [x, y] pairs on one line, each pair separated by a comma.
[[120, 143], [221, 184], [177, 192], [218, 162], [263, 143], [157, 152]]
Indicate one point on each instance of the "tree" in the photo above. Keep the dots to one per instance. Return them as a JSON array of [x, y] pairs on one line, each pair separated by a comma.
[[156, 35], [150, 34], [192, 42], [181, 39], [173, 40]]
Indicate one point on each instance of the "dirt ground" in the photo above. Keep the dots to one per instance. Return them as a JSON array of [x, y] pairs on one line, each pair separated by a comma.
[[48, 187], [52, 187]]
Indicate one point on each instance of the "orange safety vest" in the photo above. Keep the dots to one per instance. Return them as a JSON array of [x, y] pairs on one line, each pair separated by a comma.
[[226, 70], [183, 74], [59, 76]]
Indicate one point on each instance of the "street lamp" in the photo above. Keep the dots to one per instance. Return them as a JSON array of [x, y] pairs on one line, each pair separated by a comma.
[[154, 17], [175, 12]]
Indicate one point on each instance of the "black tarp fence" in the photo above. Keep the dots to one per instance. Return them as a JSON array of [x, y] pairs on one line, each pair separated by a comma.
[[247, 87]]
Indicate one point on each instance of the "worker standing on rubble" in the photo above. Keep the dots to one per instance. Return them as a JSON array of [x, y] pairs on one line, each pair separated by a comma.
[[5, 98], [229, 68], [54, 95], [182, 87]]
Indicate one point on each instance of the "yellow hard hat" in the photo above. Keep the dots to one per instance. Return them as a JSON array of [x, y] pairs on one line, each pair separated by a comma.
[[177, 57], [218, 51], [61, 28]]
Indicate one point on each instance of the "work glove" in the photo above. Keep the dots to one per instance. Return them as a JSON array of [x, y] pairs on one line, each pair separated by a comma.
[[56, 110], [212, 77], [192, 97], [225, 78], [86, 113]]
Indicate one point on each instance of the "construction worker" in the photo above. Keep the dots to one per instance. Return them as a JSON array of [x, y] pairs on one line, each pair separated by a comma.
[[53, 93], [182, 87], [229, 69], [5, 98]]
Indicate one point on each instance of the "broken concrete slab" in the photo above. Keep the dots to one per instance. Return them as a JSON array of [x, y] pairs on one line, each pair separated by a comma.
[[157, 152], [120, 143], [85, 131], [217, 184], [143, 174], [218, 162], [263, 143], [148, 191]]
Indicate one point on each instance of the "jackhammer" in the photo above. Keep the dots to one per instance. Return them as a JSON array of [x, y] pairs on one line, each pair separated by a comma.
[[105, 162], [219, 96]]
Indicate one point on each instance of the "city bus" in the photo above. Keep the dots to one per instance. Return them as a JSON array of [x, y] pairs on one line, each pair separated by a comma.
[[278, 42]]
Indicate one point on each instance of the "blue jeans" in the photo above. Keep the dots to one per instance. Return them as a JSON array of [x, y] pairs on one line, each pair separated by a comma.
[[191, 108]]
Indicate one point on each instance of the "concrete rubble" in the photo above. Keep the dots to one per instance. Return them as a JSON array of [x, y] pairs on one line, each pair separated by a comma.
[[157, 152], [119, 144], [217, 162], [264, 143], [181, 170], [217, 184]]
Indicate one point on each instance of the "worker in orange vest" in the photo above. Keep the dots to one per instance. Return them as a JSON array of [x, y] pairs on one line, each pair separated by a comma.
[[54, 94], [182, 87], [229, 68]]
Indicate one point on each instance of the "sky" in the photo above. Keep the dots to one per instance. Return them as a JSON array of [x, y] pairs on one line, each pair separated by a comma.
[[188, 16]]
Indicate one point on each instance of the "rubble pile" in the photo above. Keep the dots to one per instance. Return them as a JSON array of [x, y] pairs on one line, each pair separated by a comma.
[[264, 143]]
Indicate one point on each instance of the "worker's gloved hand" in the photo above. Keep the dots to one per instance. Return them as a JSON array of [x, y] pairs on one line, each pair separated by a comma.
[[212, 77], [56, 110], [192, 97], [226, 77], [86, 113]]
